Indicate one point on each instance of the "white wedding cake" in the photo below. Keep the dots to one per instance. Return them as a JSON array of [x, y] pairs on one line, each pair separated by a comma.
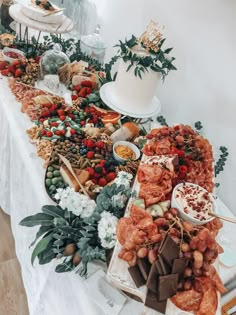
[[37, 13], [132, 92]]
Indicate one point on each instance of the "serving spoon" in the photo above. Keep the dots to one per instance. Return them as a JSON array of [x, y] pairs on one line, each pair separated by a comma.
[[222, 217]]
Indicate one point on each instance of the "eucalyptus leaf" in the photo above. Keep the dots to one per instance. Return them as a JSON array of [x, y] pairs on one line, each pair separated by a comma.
[[42, 230], [54, 211], [37, 219], [46, 256], [40, 247], [64, 267]]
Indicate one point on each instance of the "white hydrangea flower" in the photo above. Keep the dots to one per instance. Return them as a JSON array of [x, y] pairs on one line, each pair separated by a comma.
[[107, 229], [75, 202], [123, 178], [118, 200]]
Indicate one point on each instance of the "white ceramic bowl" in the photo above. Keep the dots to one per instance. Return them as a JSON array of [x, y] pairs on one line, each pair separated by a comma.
[[13, 50], [127, 144], [188, 217]]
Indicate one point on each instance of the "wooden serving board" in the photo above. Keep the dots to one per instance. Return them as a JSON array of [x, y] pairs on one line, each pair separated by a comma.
[[119, 276]]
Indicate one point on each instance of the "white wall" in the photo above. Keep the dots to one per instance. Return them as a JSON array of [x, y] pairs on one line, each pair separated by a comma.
[[203, 34]]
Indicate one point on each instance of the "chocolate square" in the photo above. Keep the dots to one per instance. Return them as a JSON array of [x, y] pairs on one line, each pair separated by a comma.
[[164, 266], [137, 276], [169, 250], [152, 280], [152, 302], [167, 286], [178, 267], [144, 266]]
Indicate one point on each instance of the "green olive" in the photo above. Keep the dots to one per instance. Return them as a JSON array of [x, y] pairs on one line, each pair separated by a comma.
[[55, 180], [52, 188], [50, 169], [56, 173], [48, 182], [49, 175]]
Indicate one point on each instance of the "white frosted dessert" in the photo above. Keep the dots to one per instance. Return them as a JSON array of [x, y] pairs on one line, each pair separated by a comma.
[[130, 91], [35, 13]]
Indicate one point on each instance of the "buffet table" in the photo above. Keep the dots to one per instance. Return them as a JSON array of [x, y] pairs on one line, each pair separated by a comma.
[[22, 193]]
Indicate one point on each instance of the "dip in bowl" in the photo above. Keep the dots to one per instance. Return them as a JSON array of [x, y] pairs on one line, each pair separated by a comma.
[[125, 151], [193, 203]]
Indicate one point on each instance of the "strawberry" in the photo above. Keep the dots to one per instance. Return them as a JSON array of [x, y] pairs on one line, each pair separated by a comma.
[[18, 73], [53, 107], [60, 112], [58, 132], [16, 63], [5, 72], [110, 176], [46, 105], [90, 143], [12, 69], [90, 170], [73, 131], [3, 65], [102, 182], [54, 124], [82, 92], [67, 124], [74, 97], [90, 154], [88, 91], [49, 134], [94, 85], [77, 87], [86, 83], [46, 113], [100, 144], [43, 132], [41, 120], [63, 132], [62, 118]]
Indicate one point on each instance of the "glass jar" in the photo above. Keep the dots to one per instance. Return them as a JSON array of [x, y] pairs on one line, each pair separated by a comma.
[[93, 45], [52, 60]]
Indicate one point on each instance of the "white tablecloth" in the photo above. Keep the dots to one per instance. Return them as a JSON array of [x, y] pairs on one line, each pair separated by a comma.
[[22, 193]]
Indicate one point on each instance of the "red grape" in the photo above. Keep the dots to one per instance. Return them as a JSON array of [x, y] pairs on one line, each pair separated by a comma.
[[211, 243], [142, 252], [198, 259], [203, 234], [161, 222], [174, 211], [152, 256], [188, 226], [193, 242], [156, 238], [174, 232], [185, 247], [197, 286], [208, 255], [188, 272], [202, 245], [205, 266], [168, 216]]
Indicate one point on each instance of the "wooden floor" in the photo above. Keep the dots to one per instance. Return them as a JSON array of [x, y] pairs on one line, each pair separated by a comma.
[[12, 294]]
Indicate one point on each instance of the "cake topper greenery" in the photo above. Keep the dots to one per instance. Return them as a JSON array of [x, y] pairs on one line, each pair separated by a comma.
[[146, 52]]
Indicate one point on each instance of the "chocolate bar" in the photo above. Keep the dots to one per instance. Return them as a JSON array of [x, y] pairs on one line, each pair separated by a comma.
[[164, 266], [169, 250], [144, 266], [178, 267], [152, 280], [137, 276], [152, 302], [167, 286]]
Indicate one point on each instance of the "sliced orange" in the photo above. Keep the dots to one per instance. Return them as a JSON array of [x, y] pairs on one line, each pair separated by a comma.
[[110, 117]]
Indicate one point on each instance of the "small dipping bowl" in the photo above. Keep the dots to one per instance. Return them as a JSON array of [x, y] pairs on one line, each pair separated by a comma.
[[129, 145], [175, 203], [8, 50]]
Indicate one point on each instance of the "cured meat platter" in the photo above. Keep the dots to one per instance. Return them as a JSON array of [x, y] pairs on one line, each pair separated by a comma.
[[146, 209]]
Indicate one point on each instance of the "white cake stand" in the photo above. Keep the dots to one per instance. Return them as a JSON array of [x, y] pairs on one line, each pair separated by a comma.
[[108, 97], [65, 26]]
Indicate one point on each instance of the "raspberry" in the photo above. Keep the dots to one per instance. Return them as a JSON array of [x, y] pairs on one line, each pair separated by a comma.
[[100, 144], [43, 132], [82, 123], [73, 131], [90, 154], [58, 132], [102, 182], [49, 134], [74, 97], [90, 144]]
